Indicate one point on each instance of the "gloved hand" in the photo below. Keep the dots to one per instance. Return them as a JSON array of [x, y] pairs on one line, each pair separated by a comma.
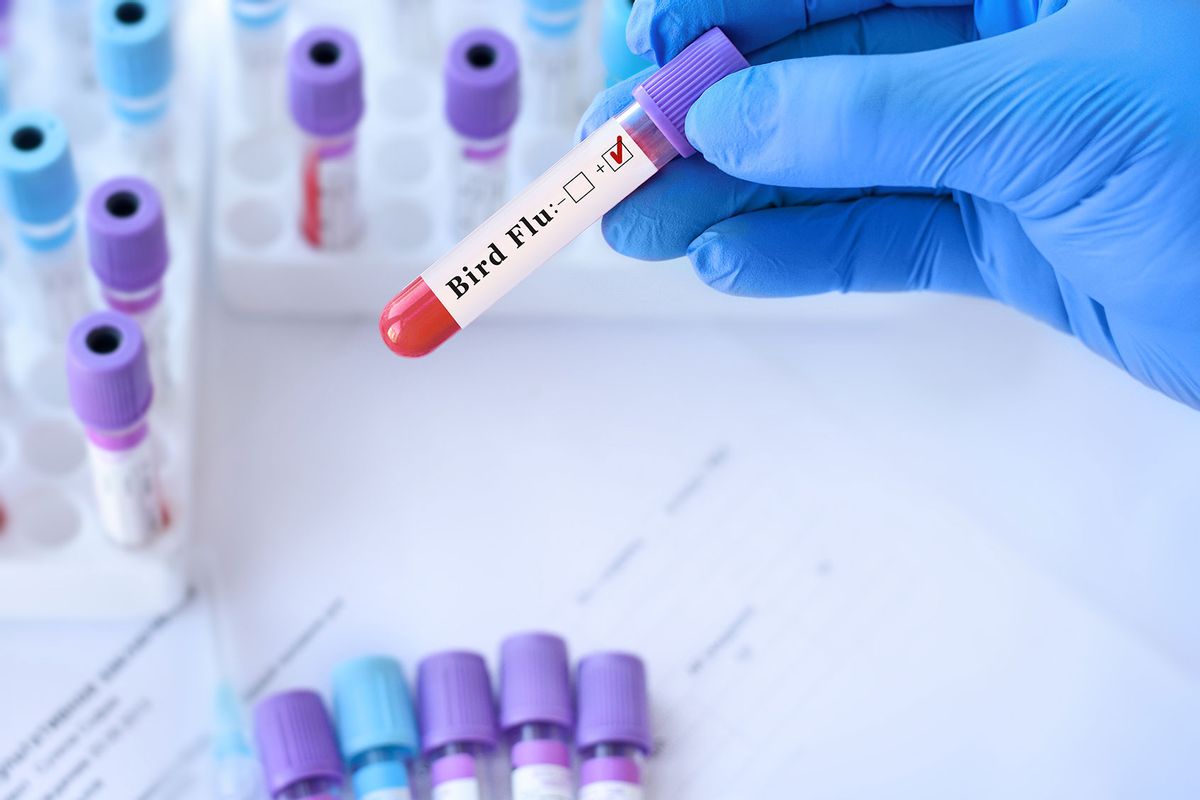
[[1042, 152]]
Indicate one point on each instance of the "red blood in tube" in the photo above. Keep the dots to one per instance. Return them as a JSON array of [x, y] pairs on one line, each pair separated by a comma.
[[415, 323]]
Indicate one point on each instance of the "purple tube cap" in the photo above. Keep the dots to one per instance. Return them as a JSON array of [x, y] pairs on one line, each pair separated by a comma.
[[535, 681], [325, 82], [667, 95], [454, 700], [295, 739], [613, 702], [108, 374], [127, 238], [483, 89]]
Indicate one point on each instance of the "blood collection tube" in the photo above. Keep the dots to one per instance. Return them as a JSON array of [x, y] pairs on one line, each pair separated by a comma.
[[552, 62], [619, 61], [376, 727], [458, 724], [297, 748], [614, 726], [42, 190], [258, 31], [325, 77], [135, 63], [593, 177], [108, 379], [536, 715], [127, 246], [483, 94]]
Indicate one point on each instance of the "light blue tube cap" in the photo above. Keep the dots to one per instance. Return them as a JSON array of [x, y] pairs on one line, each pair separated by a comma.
[[258, 13], [619, 61], [40, 185], [553, 18], [133, 52], [373, 708]]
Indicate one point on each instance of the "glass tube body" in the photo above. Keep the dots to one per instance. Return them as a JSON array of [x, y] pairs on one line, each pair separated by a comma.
[[461, 771], [312, 789], [541, 763], [611, 771], [330, 214], [381, 773]]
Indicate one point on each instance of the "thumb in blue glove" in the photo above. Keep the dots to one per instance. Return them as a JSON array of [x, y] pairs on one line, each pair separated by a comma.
[[1053, 167]]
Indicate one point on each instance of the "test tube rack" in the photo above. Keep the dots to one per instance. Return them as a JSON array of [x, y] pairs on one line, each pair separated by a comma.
[[405, 146], [55, 561]]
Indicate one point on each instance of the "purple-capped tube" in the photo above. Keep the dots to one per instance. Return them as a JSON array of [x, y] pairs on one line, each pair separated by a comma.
[[325, 94], [483, 95], [108, 380], [458, 725], [613, 735], [5, 26], [127, 247], [536, 715], [297, 747]]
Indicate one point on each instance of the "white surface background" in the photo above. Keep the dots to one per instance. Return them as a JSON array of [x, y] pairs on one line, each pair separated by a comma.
[[937, 551]]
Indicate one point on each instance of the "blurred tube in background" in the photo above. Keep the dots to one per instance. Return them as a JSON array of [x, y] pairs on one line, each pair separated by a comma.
[[483, 95], [553, 89], [619, 61], [458, 725], [260, 41]]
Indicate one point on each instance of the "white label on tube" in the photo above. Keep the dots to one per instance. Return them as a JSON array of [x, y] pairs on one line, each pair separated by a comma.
[[541, 782], [458, 789], [589, 180], [128, 496], [390, 794], [610, 790]]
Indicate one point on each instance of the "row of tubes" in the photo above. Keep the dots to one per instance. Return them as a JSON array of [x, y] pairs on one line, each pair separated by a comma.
[[382, 741]]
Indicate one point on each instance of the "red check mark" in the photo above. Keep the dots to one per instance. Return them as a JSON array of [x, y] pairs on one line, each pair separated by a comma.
[[618, 154]]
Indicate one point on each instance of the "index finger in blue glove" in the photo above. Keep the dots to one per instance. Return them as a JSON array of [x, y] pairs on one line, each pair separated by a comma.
[[659, 29]]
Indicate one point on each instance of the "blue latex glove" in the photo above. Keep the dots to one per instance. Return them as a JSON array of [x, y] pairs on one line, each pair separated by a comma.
[[1049, 153]]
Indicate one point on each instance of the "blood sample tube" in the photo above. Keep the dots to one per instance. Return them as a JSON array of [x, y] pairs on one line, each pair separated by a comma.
[[297, 748], [619, 61], [127, 246], [376, 727], [593, 177], [42, 191], [458, 724], [108, 379], [258, 31], [552, 60], [536, 715], [325, 94], [135, 64], [614, 726], [483, 94], [236, 774]]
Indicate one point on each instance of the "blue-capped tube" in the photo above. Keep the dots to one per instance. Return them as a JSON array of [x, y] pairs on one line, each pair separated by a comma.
[[619, 61], [259, 37], [42, 192], [376, 727], [134, 65], [552, 29]]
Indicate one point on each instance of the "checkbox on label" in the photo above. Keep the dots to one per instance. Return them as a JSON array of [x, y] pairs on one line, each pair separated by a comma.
[[618, 155], [578, 187]]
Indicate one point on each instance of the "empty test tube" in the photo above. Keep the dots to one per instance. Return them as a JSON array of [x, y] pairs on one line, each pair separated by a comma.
[[135, 64], [259, 31], [458, 724], [108, 379], [325, 76], [552, 60], [613, 736], [619, 61], [297, 748], [483, 95], [376, 727], [127, 247], [236, 774], [42, 191], [536, 715], [73, 26]]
